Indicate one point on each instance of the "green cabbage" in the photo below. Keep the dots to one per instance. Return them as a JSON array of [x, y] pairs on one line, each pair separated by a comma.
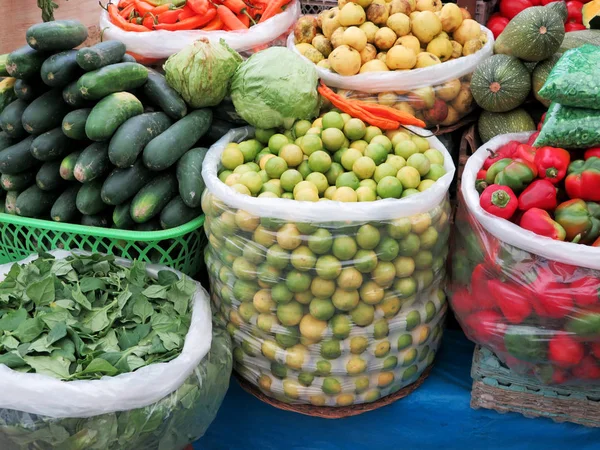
[[274, 87], [201, 72]]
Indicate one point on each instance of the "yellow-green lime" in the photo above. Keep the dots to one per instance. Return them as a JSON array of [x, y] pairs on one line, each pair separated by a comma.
[[347, 179], [406, 149], [319, 180], [434, 156], [384, 141], [319, 161], [275, 167], [329, 192], [345, 194], [359, 145], [436, 171], [333, 119], [371, 184], [263, 136], [289, 179], [409, 177], [232, 157], [277, 142], [399, 137], [345, 300], [384, 170], [322, 288], [363, 314], [344, 247], [424, 185], [349, 157], [252, 181], [389, 187], [405, 266], [304, 169], [366, 194], [320, 241], [346, 117], [297, 281], [328, 267], [365, 261], [421, 143], [292, 154], [355, 129], [287, 195], [264, 175], [334, 172], [371, 133], [290, 314], [301, 127], [311, 143], [409, 192], [322, 308], [376, 152], [250, 149], [223, 175], [306, 195], [340, 326], [364, 167], [273, 188], [242, 169], [303, 259], [333, 139], [305, 185], [368, 237], [420, 162]]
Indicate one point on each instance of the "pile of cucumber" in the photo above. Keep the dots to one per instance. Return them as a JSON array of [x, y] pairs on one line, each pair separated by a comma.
[[90, 136]]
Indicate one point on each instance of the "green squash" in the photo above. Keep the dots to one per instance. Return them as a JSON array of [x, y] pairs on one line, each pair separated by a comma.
[[500, 83], [493, 124], [576, 39], [540, 75], [559, 8], [534, 34], [7, 92]]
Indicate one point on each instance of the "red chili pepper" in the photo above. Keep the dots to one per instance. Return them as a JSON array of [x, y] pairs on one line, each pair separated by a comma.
[[594, 151], [126, 12], [539, 194], [479, 289], [142, 7], [200, 7], [499, 201], [214, 25], [190, 23], [540, 222], [574, 12], [596, 243], [186, 13], [506, 151], [526, 152], [588, 368], [595, 348], [565, 351], [169, 16], [552, 163], [510, 8], [485, 327], [149, 21], [532, 138], [513, 301], [583, 180], [497, 25], [569, 27], [552, 299]]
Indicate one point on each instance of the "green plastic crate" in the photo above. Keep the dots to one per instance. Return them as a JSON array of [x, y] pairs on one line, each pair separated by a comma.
[[179, 248]]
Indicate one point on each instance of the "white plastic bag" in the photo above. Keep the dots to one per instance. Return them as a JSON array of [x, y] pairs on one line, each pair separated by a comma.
[[161, 44]]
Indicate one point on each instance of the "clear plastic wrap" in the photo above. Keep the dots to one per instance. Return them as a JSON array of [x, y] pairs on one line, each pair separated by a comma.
[[162, 44], [160, 406], [531, 300], [328, 303]]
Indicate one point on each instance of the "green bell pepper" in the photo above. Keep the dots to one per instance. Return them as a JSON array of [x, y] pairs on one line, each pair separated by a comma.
[[495, 169], [526, 343], [574, 217], [517, 175]]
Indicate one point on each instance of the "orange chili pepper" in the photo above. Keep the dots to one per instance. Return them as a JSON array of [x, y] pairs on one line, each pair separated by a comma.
[[170, 16], [190, 23], [230, 20], [115, 18], [214, 25]]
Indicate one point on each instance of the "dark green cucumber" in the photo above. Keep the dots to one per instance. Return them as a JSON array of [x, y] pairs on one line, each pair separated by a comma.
[[34, 202], [51, 145], [100, 55], [121, 217], [110, 113], [17, 158], [6, 141], [151, 225], [92, 163], [48, 177], [159, 93], [165, 150], [131, 137], [29, 90], [97, 220], [68, 165], [56, 35], [18, 181], [7, 92], [45, 112], [189, 176], [64, 208], [73, 97], [218, 129], [89, 201], [10, 119], [73, 124], [61, 69], [128, 58], [10, 202], [25, 63], [177, 213], [122, 184], [153, 197], [110, 79], [3, 59]]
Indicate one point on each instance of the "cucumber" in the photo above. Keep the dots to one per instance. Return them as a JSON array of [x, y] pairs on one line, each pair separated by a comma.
[[45, 112], [153, 197], [88, 200], [164, 150], [51, 145], [92, 163], [18, 181], [122, 184], [6, 141], [17, 158], [7, 92], [56, 35], [151, 225], [121, 217], [110, 113], [25, 62], [218, 129], [177, 213], [10, 119], [10, 202], [3, 59], [64, 208], [131, 137], [100, 55], [128, 58], [48, 177], [73, 124], [159, 93], [189, 176], [29, 90], [110, 79], [34, 202], [68, 165], [73, 97], [98, 220], [61, 69]]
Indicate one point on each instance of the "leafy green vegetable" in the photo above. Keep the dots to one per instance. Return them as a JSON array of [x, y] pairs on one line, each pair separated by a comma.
[[85, 317]]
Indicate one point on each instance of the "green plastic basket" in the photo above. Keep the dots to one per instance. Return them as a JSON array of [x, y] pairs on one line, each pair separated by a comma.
[[178, 248]]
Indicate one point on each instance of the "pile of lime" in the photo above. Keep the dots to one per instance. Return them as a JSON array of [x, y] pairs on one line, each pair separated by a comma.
[[336, 157]]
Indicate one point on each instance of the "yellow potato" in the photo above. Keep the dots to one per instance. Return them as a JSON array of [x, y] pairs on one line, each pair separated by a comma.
[[426, 59], [472, 46], [352, 14], [400, 23], [375, 65], [308, 51], [324, 64], [463, 101], [426, 26], [456, 49], [355, 38], [378, 13], [345, 60], [363, 3], [451, 17], [369, 53], [422, 98], [322, 44], [385, 38], [400, 57], [410, 42], [330, 21], [468, 29], [451, 118], [449, 90], [336, 37], [440, 47], [429, 5], [381, 56], [401, 6], [465, 13], [369, 29], [387, 98], [305, 29], [405, 107]]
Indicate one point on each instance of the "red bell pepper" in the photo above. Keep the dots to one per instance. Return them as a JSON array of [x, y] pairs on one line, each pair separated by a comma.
[[586, 291], [513, 301], [539, 194], [481, 174], [594, 151], [540, 222], [574, 12], [541, 122], [552, 163], [574, 27], [499, 201], [485, 327], [563, 272], [462, 302], [506, 151], [532, 138], [574, 217], [479, 290], [526, 152], [587, 369], [552, 299], [480, 183], [595, 348], [565, 351], [497, 25], [510, 8], [583, 179]]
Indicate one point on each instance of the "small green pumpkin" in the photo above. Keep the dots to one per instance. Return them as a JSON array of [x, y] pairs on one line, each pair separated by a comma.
[[500, 83], [540, 75], [492, 124]]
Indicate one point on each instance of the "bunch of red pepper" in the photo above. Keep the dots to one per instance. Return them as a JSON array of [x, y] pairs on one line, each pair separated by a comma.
[[510, 8], [206, 15]]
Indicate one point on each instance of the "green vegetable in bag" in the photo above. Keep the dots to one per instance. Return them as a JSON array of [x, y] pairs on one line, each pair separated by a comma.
[[575, 79], [568, 127]]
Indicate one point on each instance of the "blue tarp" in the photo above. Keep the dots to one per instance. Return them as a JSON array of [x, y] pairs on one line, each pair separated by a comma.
[[437, 415]]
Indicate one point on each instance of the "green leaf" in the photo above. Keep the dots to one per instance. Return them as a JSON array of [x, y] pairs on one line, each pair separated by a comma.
[[171, 340], [137, 274], [142, 308], [80, 298], [135, 362], [57, 333], [54, 367], [40, 345], [9, 342], [118, 360], [42, 292], [89, 284], [61, 267], [167, 277], [12, 360], [131, 338], [66, 304], [28, 330], [102, 366], [155, 291], [163, 323], [12, 320], [97, 319]]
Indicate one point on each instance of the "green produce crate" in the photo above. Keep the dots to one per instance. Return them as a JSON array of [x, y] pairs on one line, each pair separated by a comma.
[[179, 248]]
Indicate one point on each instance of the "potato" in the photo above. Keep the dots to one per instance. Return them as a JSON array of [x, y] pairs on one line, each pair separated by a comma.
[[336, 37], [322, 44], [405, 107], [308, 51], [451, 17], [400, 57], [456, 49], [429, 5], [362, 3], [469, 29], [382, 56], [422, 98], [324, 64], [426, 59], [385, 38], [352, 14], [355, 38], [426, 26], [330, 22], [305, 30], [387, 98], [375, 65], [442, 34], [449, 90], [378, 13], [369, 29], [400, 23], [483, 37], [451, 118], [410, 42], [345, 60], [463, 101], [472, 46], [465, 13], [437, 113], [400, 6], [440, 47], [369, 53], [413, 15]]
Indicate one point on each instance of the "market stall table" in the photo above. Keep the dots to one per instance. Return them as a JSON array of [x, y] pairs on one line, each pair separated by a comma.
[[436, 415]]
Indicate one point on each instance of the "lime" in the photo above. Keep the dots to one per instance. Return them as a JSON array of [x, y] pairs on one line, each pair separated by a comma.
[[430, 311], [232, 179], [241, 189], [371, 132], [305, 378], [355, 129], [385, 379], [405, 287], [297, 281], [244, 290], [288, 237], [347, 179], [333, 119], [328, 267], [382, 348], [420, 162], [290, 314], [384, 170], [363, 314], [355, 365], [365, 260], [274, 188], [359, 145], [371, 293], [275, 167], [303, 297], [224, 174], [329, 192], [399, 137], [405, 266], [304, 169], [305, 185], [318, 122], [409, 177], [322, 288], [376, 152], [421, 143], [346, 117], [384, 273], [358, 344], [404, 341], [344, 248], [240, 170], [263, 302], [288, 338], [345, 194], [264, 176], [311, 143], [333, 139], [334, 172], [420, 222], [232, 157], [244, 269], [331, 386], [263, 136], [337, 156], [253, 252], [250, 149], [436, 171], [264, 236], [303, 259], [320, 241], [319, 161], [340, 326], [301, 127], [366, 194], [350, 279], [409, 192], [405, 149], [277, 142], [349, 157], [368, 237], [429, 238], [322, 309], [345, 300], [306, 227], [306, 195], [424, 185], [434, 156], [423, 259], [409, 246], [292, 154], [361, 384], [389, 187], [288, 133], [388, 249], [287, 195], [281, 294], [364, 167], [384, 141], [413, 319], [319, 180], [263, 160], [289, 179], [263, 152], [331, 349], [371, 184]]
